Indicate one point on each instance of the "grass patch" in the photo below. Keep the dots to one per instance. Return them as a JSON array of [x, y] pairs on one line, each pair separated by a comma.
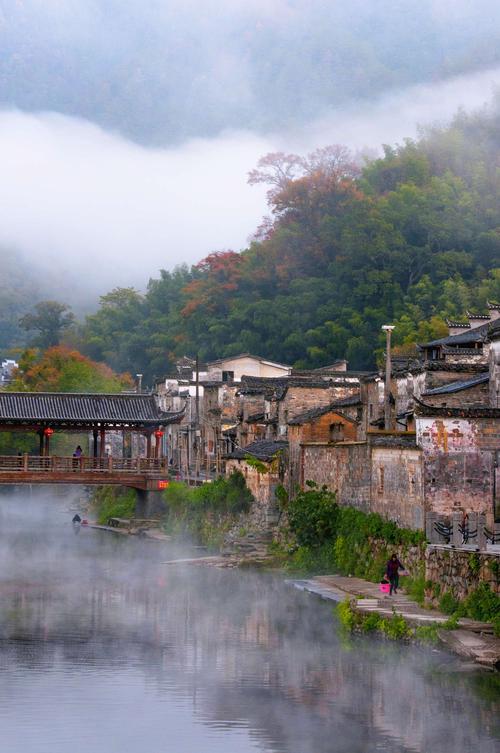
[[394, 628], [427, 633], [113, 502]]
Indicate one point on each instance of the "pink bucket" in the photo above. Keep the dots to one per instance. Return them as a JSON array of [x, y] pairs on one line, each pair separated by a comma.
[[385, 588]]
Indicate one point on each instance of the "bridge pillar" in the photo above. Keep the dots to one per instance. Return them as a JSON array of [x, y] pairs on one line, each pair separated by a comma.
[[148, 504]]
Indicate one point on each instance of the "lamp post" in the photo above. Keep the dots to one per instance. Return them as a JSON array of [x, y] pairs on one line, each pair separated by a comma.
[[387, 391]]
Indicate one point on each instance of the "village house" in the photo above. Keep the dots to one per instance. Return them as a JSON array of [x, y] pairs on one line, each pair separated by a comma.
[[264, 464], [233, 368], [207, 395], [441, 452], [466, 343], [7, 369]]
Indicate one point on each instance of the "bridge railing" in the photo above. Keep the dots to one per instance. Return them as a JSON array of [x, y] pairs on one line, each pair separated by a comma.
[[59, 464]]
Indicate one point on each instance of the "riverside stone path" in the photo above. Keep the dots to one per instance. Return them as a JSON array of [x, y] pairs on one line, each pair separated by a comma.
[[473, 640]]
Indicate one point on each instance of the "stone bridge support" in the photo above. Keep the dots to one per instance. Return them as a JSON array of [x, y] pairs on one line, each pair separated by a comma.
[[149, 504]]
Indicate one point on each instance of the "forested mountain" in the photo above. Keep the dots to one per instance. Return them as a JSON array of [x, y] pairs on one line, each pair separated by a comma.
[[410, 239], [23, 283], [18, 290], [166, 71]]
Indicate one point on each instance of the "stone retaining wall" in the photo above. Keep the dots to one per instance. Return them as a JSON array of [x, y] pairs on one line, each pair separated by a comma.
[[459, 572]]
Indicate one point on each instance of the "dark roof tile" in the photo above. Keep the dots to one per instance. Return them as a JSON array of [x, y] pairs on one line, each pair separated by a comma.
[[474, 335], [457, 386], [264, 449], [81, 408]]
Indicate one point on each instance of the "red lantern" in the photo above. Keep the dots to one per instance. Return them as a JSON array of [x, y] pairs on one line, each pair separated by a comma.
[[159, 434], [48, 431]]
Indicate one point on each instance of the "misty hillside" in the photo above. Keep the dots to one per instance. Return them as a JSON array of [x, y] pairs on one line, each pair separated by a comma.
[[161, 72], [411, 239]]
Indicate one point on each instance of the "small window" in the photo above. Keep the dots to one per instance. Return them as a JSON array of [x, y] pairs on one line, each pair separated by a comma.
[[337, 432], [381, 472], [228, 376]]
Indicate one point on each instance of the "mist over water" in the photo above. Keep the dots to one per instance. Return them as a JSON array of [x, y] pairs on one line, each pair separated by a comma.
[[103, 648]]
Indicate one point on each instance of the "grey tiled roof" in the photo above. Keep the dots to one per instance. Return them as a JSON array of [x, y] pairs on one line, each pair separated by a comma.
[[53, 407], [474, 335], [457, 386], [345, 401], [263, 449], [470, 368]]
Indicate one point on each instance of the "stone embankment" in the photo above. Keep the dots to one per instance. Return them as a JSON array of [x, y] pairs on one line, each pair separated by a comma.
[[473, 640], [460, 571]]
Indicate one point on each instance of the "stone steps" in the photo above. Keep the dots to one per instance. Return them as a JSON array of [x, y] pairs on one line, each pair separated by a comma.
[[253, 544]]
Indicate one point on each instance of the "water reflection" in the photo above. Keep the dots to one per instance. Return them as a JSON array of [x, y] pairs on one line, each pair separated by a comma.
[[102, 648]]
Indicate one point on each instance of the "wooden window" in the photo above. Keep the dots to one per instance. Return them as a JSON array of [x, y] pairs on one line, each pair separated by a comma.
[[337, 432]]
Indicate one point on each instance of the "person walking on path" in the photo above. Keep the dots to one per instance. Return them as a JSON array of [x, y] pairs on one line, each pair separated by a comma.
[[392, 573]]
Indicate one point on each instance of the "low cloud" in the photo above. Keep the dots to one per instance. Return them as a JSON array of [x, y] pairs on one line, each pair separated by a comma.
[[104, 211]]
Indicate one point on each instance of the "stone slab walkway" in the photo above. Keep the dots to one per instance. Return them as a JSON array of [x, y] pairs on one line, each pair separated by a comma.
[[473, 639]]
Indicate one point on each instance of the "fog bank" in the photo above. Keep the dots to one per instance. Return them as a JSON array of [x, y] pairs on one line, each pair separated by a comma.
[[104, 211]]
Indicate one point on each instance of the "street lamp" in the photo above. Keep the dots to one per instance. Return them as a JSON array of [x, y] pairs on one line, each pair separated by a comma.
[[387, 328]]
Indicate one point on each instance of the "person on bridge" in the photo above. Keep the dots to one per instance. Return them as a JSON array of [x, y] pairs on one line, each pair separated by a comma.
[[392, 573], [77, 455]]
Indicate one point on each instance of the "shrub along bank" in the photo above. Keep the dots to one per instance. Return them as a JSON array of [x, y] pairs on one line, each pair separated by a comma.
[[206, 513], [333, 538]]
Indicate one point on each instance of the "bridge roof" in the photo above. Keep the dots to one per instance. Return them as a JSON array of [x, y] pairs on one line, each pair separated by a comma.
[[85, 409]]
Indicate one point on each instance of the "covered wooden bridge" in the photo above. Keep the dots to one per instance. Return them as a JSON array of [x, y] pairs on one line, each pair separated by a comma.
[[45, 414]]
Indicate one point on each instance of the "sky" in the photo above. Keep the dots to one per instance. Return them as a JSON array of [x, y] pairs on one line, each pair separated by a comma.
[[98, 183]]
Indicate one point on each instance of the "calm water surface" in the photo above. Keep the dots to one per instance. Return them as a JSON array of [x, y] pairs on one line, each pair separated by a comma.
[[104, 649]]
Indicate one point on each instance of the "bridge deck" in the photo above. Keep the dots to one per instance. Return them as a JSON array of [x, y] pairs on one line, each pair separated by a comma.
[[140, 473]]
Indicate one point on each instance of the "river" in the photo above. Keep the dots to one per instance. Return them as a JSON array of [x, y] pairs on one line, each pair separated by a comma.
[[103, 649]]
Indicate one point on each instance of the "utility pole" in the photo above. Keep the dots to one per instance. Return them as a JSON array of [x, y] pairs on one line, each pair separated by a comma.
[[197, 432], [197, 397], [387, 389]]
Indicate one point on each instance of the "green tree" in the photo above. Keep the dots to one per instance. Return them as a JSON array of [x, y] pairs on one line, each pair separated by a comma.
[[49, 319]]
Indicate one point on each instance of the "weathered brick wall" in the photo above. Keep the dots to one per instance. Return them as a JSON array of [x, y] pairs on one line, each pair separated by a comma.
[[295, 458], [344, 468], [319, 429], [249, 405], [459, 572], [372, 396], [437, 374], [397, 485], [459, 459], [478, 395], [494, 372], [472, 359], [264, 511], [300, 399]]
